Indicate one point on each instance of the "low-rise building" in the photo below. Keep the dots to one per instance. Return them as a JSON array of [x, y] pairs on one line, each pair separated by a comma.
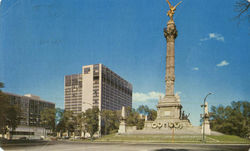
[[31, 107]]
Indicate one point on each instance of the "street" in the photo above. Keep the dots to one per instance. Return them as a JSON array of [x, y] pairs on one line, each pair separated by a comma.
[[79, 146]]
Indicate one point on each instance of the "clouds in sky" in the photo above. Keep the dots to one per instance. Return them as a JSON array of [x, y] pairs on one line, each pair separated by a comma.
[[214, 36], [143, 97], [222, 63], [178, 92], [195, 68]]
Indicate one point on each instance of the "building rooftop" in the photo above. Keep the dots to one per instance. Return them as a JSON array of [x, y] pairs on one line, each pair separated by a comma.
[[30, 96]]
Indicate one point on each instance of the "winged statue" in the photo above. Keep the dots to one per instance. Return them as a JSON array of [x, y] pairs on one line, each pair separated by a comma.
[[172, 9]]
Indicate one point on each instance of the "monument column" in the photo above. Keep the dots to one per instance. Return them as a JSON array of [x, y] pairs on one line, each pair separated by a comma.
[[169, 107], [170, 34]]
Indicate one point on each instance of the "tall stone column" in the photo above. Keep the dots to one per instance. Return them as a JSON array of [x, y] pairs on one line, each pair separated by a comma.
[[169, 107], [170, 34]]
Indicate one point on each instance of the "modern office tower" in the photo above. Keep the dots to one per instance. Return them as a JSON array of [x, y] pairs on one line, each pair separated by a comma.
[[101, 88], [104, 88], [31, 107], [73, 93]]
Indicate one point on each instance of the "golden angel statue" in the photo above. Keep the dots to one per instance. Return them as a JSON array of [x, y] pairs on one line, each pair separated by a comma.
[[172, 9]]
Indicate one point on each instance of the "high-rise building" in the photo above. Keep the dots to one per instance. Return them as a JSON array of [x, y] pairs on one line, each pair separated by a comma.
[[97, 86], [31, 107], [73, 92]]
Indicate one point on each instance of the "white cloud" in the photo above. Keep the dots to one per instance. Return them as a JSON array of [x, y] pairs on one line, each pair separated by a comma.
[[195, 68], [178, 92], [143, 97], [214, 36], [222, 63]]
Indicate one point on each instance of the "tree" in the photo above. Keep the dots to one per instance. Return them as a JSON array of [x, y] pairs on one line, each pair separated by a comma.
[[133, 118], [1, 86], [13, 117], [60, 124], [69, 121], [81, 123], [234, 119], [48, 118], [60, 127], [9, 113], [152, 115], [111, 121], [241, 7], [3, 113], [66, 121], [92, 121], [59, 115], [145, 110]]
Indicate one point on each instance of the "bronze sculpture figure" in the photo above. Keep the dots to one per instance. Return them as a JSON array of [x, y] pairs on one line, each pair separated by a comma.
[[172, 10]]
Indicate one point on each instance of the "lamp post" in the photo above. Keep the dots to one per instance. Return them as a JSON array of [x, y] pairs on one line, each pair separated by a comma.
[[204, 105], [45, 125], [173, 126]]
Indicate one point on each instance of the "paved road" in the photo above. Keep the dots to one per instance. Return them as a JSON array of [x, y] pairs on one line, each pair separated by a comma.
[[72, 146]]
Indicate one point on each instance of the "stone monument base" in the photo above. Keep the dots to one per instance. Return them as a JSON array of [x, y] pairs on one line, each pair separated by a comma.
[[169, 108], [122, 127], [207, 128], [194, 130], [167, 126], [169, 118]]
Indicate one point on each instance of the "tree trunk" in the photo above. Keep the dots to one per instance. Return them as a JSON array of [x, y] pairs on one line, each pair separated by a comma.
[[91, 136]]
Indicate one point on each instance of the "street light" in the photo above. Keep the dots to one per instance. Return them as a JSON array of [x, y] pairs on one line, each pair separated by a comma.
[[204, 105]]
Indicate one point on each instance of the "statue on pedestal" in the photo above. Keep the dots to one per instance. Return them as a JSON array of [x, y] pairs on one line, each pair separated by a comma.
[[172, 10], [122, 127], [206, 123]]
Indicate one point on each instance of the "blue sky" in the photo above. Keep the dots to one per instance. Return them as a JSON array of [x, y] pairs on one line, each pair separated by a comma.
[[42, 41]]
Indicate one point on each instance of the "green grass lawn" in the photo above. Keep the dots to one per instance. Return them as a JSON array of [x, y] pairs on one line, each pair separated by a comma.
[[228, 139], [223, 139]]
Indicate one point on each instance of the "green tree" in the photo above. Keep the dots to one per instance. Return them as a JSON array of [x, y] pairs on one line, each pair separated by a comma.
[[110, 120], [9, 113], [13, 116], [81, 123], [66, 121], [69, 121], [133, 118], [4, 104], [48, 118], [145, 110], [140, 124], [1, 86], [59, 115], [233, 119], [152, 115], [92, 121], [60, 124], [60, 127]]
